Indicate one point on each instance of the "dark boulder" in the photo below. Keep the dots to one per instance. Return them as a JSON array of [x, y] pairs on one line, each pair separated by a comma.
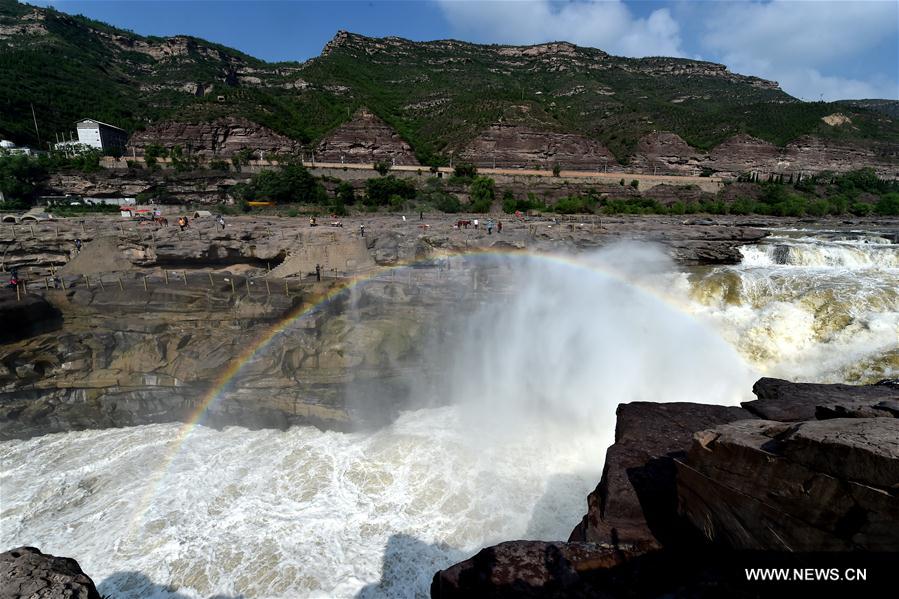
[[528, 569], [813, 486], [635, 503], [26, 572], [793, 402]]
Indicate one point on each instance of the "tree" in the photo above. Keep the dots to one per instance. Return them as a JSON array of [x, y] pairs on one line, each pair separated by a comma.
[[20, 177], [465, 170], [382, 167], [482, 194], [345, 193], [292, 183], [378, 191], [557, 169]]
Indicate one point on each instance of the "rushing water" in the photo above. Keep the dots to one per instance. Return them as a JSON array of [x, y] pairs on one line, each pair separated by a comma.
[[537, 376]]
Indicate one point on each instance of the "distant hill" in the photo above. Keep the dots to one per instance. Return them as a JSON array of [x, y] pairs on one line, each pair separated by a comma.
[[437, 95]]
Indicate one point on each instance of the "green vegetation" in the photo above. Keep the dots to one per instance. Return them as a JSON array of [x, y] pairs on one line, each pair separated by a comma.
[[482, 194], [292, 183], [68, 209], [383, 191], [119, 83]]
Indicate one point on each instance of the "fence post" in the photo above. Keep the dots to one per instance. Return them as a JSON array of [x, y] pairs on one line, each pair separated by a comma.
[[247, 281], [121, 287], [286, 289], [145, 282], [101, 283], [267, 290], [211, 283], [87, 280], [165, 275], [232, 285], [18, 294], [25, 287], [32, 230], [184, 274], [62, 281]]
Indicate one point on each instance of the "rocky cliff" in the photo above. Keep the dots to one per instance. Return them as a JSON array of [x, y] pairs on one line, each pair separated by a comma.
[[513, 146], [366, 139], [221, 138], [423, 89], [691, 495]]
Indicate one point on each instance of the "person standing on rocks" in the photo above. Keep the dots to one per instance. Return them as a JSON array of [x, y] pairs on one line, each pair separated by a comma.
[[475, 224], [421, 216], [222, 222], [182, 222], [318, 272], [77, 246], [362, 230], [499, 227]]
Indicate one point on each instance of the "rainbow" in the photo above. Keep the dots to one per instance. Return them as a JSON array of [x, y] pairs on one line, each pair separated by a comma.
[[221, 384]]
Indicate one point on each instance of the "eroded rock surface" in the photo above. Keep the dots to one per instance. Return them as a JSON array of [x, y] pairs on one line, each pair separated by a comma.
[[221, 138], [635, 503], [510, 146], [366, 139], [789, 402], [26, 572], [812, 486]]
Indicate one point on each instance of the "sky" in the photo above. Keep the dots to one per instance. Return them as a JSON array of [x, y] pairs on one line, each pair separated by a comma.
[[814, 48]]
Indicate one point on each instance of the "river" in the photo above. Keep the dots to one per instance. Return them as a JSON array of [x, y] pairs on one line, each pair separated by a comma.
[[164, 511]]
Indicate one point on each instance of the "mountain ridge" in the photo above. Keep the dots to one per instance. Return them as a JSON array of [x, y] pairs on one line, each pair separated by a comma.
[[438, 95]]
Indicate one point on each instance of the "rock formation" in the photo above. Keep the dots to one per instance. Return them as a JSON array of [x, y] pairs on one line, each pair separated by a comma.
[[691, 495], [26, 572], [820, 485], [514, 146], [635, 504], [666, 153], [365, 139], [221, 138]]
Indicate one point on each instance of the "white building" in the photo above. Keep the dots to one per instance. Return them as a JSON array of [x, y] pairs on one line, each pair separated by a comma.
[[8, 147], [94, 134]]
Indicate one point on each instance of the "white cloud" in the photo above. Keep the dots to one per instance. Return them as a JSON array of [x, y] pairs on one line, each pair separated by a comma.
[[801, 44], [608, 25]]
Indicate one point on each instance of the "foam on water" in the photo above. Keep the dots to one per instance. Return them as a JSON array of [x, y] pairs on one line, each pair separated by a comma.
[[294, 513], [532, 390], [810, 309]]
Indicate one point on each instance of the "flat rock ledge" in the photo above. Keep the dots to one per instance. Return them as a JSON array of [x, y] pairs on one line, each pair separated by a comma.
[[806, 476], [26, 572]]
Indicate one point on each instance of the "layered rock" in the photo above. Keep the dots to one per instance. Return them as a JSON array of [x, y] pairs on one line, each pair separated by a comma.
[[744, 153], [683, 509], [511, 146], [26, 572], [365, 139], [785, 401], [635, 504], [528, 569], [666, 153], [223, 138], [813, 486]]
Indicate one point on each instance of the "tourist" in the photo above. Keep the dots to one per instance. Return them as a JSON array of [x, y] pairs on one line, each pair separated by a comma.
[[222, 222], [362, 230], [312, 222], [182, 222], [475, 223], [499, 227], [77, 246], [421, 216], [489, 224], [318, 272]]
